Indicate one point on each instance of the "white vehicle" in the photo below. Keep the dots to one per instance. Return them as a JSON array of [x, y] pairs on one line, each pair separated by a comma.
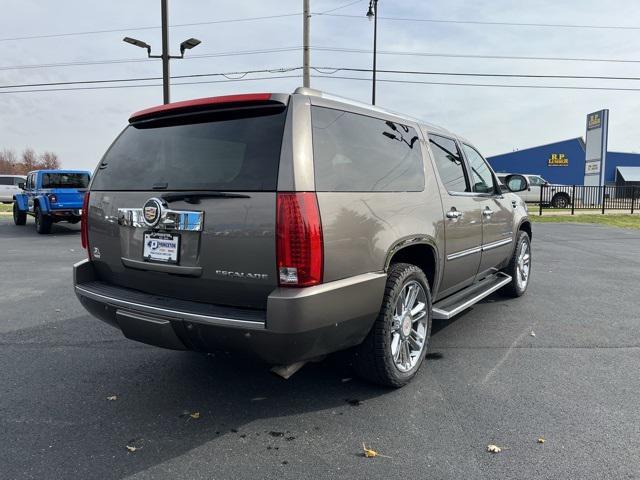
[[560, 195], [9, 187]]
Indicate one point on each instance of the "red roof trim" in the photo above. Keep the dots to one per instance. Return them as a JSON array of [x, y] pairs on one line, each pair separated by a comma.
[[246, 97]]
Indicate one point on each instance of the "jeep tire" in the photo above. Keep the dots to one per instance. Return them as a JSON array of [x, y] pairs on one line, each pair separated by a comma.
[[19, 217], [43, 222], [519, 267], [404, 322]]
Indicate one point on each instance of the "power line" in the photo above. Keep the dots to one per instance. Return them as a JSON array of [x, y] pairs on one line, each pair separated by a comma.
[[321, 49], [560, 87], [145, 79], [385, 80], [131, 29], [338, 8], [473, 74], [469, 55], [141, 60], [109, 87], [324, 71], [480, 22]]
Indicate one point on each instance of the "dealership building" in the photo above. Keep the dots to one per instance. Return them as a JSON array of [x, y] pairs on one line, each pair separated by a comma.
[[574, 161]]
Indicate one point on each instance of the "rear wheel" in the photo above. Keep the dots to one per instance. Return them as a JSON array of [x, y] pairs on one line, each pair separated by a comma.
[[393, 351], [43, 222], [519, 267], [560, 200], [19, 217]]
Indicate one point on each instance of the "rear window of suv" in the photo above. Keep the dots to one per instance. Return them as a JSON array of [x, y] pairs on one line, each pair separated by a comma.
[[357, 153], [65, 180], [236, 151]]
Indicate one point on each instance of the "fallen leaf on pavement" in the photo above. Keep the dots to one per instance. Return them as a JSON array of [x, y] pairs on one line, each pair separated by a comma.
[[533, 334], [195, 415], [112, 398], [541, 440], [369, 453], [493, 449], [131, 448]]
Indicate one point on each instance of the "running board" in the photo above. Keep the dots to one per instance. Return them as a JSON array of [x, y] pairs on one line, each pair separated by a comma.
[[453, 305]]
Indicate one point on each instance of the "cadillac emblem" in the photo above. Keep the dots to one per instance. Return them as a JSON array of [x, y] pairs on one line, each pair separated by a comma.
[[152, 211]]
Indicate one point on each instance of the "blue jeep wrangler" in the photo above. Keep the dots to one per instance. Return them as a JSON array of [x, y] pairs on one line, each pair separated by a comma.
[[51, 196]]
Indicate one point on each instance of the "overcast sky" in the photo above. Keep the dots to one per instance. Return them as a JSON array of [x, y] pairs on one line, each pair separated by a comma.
[[80, 125]]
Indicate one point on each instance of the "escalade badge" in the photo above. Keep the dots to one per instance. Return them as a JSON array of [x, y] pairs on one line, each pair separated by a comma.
[[152, 212]]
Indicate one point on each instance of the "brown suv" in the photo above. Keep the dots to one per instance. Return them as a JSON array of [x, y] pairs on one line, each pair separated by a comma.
[[293, 226]]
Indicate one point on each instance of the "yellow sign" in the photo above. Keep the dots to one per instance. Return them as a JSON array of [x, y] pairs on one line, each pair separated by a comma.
[[594, 121], [558, 160]]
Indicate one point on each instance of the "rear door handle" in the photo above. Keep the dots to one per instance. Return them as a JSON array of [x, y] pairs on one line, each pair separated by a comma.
[[453, 213], [487, 212]]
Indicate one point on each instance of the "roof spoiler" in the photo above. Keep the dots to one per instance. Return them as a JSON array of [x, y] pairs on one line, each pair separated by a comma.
[[203, 104]]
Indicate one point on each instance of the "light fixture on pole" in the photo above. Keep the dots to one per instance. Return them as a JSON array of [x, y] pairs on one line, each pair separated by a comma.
[[372, 15], [186, 45]]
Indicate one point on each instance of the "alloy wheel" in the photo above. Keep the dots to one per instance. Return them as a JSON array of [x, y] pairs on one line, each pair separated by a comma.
[[409, 326]]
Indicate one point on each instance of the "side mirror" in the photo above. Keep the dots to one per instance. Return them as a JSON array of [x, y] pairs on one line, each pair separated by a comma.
[[517, 183], [21, 185]]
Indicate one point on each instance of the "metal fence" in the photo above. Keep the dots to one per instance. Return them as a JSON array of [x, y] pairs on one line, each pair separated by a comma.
[[582, 197]]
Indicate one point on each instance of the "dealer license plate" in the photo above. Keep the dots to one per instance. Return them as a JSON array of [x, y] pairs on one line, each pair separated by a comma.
[[161, 247]]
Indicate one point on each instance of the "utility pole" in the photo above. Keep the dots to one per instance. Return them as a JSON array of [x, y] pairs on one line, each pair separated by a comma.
[[372, 14], [165, 51], [306, 80]]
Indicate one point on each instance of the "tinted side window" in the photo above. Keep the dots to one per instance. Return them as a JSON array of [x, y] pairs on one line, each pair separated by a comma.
[[356, 153], [17, 180], [449, 163], [6, 181], [480, 171]]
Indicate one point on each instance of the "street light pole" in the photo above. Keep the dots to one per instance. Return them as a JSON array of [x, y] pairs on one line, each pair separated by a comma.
[[372, 14], [165, 50], [188, 44]]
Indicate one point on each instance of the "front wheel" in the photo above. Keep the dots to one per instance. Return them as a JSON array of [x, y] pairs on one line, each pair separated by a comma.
[[395, 347], [519, 267], [43, 222], [19, 217]]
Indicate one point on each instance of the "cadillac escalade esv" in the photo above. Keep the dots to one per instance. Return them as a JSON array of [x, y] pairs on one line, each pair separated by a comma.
[[295, 225]]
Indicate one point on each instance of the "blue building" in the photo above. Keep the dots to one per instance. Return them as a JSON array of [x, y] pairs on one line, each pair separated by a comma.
[[561, 162]]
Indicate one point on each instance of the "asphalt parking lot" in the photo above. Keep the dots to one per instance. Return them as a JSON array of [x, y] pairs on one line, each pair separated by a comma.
[[575, 383]]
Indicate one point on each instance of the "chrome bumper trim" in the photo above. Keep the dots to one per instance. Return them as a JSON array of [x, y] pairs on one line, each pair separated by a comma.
[[176, 314]]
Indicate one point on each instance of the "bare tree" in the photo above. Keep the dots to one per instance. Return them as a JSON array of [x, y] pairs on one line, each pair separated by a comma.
[[8, 161], [29, 160], [49, 160]]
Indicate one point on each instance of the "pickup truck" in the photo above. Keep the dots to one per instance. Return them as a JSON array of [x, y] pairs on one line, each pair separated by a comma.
[[51, 196], [557, 196]]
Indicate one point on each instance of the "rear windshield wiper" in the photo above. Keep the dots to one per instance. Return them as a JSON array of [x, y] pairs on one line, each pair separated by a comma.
[[194, 197]]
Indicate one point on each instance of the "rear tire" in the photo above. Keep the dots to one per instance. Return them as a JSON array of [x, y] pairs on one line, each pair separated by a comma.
[[403, 323], [19, 217], [519, 267], [560, 200], [43, 222]]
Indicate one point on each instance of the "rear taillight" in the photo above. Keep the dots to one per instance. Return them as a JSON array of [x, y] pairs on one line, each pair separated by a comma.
[[84, 227], [299, 240]]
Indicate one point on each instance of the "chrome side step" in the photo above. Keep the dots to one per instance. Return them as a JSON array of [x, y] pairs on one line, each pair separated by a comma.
[[458, 302]]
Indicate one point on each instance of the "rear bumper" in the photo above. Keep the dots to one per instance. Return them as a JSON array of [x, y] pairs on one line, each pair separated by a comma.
[[298, 324]]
